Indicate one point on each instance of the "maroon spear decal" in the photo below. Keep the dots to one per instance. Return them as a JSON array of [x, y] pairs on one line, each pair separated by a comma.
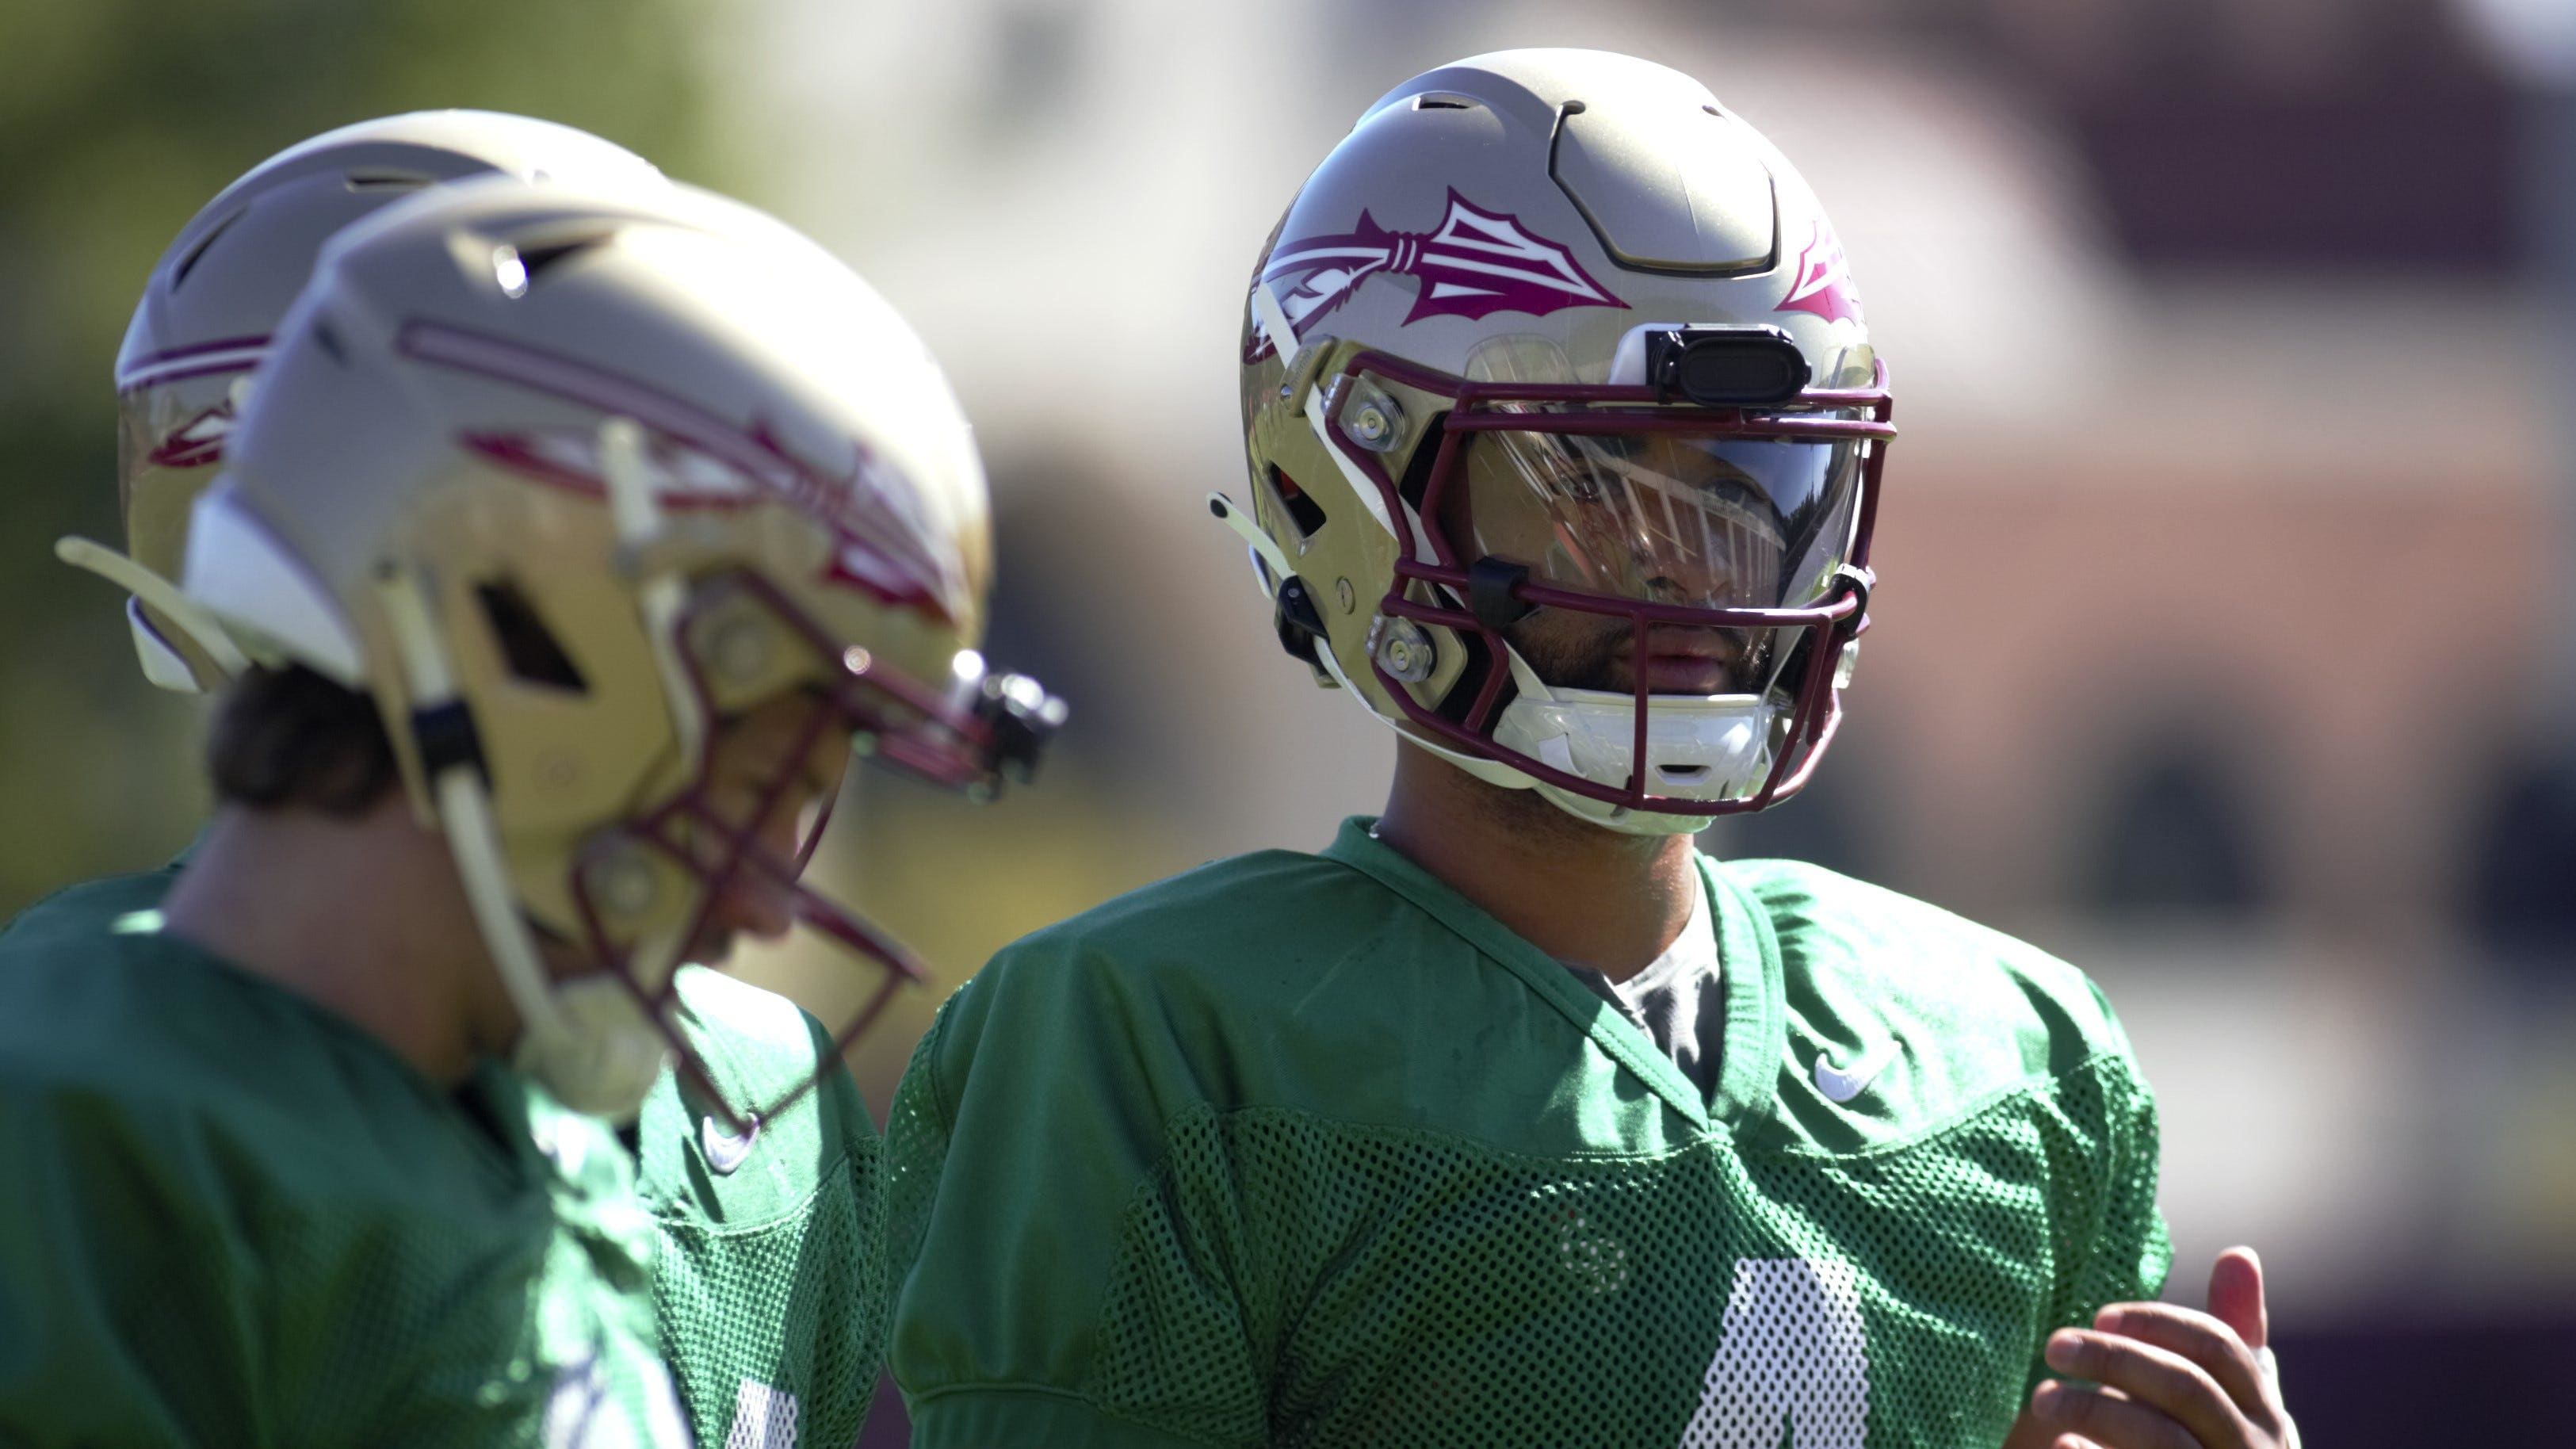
[[198, 442], [1478, 263]]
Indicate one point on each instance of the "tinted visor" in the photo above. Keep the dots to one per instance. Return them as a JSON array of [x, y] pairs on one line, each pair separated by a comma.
[[1662, 517]]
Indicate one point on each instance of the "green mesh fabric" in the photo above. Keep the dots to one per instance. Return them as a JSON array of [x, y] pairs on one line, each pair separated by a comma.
[[1289, 1280], [916, 1147], [783, 1307], [1308, 1150], [765, 1269], [230, 1218]]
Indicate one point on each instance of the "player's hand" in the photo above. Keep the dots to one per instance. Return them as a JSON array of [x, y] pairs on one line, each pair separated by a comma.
[[2169, 1377]]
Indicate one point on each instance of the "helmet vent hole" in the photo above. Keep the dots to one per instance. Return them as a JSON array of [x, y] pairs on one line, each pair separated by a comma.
[[1445, 101], [197, 253], [385, 180], [1302, 511], [528, 647], [538, 257], [327, 337], [1683, 774]]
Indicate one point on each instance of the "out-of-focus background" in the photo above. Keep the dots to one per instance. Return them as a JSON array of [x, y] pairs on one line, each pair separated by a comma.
[[2222, 640]]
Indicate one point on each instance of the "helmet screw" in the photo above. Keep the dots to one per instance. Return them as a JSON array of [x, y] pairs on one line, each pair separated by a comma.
[[623, 881], [1403, 650], [1342, 591], [741, 651], [1371, 418]]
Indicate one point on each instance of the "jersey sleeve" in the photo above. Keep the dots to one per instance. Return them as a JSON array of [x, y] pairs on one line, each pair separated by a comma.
[[122, 1304], [1056, 1283], [2113, 1246]]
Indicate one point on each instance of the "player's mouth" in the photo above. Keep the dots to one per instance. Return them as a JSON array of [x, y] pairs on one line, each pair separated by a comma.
[[1681, 660]]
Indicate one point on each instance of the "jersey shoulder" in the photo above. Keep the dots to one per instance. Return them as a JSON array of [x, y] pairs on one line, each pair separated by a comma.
[[1299, 983], [1847, 943], [241, 1209], [84, 908], [758, 1044], [766, 1055], [112, 1032], [1241, 934], [1954, 1018]]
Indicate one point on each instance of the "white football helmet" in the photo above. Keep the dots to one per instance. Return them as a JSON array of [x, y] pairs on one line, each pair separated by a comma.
[[215, 298], [561, 479], [1566, 436]]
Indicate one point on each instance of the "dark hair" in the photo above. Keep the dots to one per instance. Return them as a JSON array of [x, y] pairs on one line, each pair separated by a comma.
[[292, 739]]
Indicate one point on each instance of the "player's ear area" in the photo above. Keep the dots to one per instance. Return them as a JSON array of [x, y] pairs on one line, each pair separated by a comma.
[[292, 739]]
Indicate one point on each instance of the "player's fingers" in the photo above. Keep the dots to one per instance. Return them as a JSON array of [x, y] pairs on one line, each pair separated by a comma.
[[2157, 1378], [2073, 1441], [2198, 1337], [2089, 1416], [2236, 1296]]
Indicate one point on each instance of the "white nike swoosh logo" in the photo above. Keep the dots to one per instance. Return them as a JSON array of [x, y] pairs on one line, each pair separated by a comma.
[[1841, 1084], [724, 1150]]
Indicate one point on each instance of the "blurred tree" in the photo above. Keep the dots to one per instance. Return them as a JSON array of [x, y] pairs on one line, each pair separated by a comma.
[[118, 119]]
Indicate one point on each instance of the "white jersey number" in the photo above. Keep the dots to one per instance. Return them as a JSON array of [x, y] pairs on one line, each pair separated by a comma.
[[582, 1412], [763, 1418], [1793, 1353]]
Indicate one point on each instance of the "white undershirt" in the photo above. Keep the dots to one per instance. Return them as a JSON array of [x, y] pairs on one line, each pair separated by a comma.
[[1674, 999]]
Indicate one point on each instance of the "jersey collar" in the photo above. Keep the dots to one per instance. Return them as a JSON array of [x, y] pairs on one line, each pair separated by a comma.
[[1749, 973]]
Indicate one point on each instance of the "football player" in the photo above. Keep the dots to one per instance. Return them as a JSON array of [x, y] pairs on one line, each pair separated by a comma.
[[1510, 1118], [568, 538], [760, 1276]]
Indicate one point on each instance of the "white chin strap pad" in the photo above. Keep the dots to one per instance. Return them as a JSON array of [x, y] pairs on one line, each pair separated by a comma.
[[1710, 747], [600, 1054]]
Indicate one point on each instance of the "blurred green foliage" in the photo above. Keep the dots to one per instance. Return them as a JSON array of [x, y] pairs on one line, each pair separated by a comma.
[[118, 119]]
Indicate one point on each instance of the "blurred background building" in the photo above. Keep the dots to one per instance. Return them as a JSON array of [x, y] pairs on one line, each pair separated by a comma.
[[2222, 645]]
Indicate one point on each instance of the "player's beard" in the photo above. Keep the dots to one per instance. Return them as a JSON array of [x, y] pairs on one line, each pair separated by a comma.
[[1572, 650]]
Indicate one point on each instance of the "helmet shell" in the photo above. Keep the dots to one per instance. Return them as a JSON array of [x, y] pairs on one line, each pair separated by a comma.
[[214, 299], [433, 409], [1525, 216]]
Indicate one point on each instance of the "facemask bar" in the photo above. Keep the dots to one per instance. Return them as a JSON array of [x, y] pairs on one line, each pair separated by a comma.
[[1497, 597], [983, 731]]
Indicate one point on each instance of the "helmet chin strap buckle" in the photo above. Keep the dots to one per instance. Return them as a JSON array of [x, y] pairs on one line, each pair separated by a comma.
[[1300, 624], [1490, 582], [1860, 581]]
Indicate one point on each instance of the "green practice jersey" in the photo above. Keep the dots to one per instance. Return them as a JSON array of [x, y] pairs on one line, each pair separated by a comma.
[[231, 1217], [1304, 1150], [764, 1277]]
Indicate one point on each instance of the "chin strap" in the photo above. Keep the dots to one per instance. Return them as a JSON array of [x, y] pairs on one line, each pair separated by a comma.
[[661, 597], [159, 595], [1266, 552], [452, 765], [588, 1043], [661, 594]]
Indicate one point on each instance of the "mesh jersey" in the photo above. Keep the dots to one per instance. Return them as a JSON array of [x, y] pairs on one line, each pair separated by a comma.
[[763, 1278], [230, 1217], [1309, 1151]]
